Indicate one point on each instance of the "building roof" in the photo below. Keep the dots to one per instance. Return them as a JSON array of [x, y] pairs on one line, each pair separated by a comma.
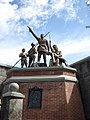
[[5, 65], [81, 61]]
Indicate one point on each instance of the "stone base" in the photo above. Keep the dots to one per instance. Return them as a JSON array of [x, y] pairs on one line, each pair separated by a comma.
[[58, 93], [39, 65]]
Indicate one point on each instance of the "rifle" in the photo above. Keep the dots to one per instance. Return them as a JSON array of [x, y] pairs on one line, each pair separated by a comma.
[[20, 58], [46, 34], [15, 63], [50, 45], [27, 52]]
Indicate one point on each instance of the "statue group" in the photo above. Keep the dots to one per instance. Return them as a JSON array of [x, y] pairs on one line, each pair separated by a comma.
[[44, 48]]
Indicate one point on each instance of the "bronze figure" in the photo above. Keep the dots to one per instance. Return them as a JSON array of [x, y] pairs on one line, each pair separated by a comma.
[[43, 47]]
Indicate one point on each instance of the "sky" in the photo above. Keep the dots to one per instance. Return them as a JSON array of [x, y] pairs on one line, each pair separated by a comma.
[[66, 20]]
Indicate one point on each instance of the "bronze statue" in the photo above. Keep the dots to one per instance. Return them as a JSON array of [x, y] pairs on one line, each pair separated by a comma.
[[23, 56], [43, 47], [57, 56], [31, 55]]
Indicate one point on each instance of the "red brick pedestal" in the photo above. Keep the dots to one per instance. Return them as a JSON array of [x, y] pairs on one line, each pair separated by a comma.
[[60, 92]]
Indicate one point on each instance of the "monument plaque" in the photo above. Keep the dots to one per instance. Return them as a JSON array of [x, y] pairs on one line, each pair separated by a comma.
[[35, 97]]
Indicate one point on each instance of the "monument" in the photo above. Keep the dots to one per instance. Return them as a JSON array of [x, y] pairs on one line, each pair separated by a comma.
[[51, 92]]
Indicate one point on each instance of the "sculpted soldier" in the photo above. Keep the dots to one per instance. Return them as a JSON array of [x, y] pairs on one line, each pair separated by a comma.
[[23, 56], [43, 47], [57, 56], [31, 54]]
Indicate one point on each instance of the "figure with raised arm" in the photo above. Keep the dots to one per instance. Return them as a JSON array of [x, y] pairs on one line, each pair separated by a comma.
[[43, 48]]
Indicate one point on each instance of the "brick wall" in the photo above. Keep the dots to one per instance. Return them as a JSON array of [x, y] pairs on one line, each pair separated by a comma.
[[74, 102], [3, 70], [83, 75], [60, 101]]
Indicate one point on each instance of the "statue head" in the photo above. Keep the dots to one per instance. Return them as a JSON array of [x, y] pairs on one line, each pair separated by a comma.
[[23, 50], [32, 44], [55, 47], [42, 36]]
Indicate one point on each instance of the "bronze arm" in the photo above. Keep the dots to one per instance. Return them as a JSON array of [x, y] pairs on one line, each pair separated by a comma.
[[30, 30]]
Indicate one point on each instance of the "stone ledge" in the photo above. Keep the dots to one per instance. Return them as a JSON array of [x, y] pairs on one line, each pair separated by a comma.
[[13, 94], [35, 71], [43, 78], [42, 69]]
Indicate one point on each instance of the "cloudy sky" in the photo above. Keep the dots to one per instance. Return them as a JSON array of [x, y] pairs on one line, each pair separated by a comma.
[[64, 19]]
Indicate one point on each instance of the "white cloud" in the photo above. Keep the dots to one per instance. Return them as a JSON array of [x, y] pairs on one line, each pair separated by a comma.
[[41, 2], [6, 1], [71, 9], [75, 46], [15, 17], [7, 14], [36, 13], [57, 5]]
